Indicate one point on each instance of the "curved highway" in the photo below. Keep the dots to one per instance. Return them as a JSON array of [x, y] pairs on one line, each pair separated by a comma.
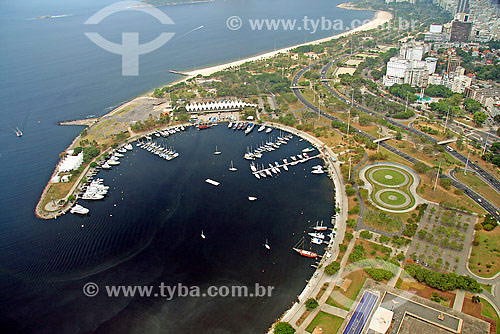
[[480, 171], [483, 202]]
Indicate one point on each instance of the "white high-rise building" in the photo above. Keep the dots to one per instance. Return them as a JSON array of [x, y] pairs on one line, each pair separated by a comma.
[[413, 72]]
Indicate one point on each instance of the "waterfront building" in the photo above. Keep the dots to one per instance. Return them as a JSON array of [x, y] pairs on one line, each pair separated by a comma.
[[218, 106], [70, 162]]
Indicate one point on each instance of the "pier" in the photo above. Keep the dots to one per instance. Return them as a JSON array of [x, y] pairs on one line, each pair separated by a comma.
[[80, 122], [179, 73], [290, 163]]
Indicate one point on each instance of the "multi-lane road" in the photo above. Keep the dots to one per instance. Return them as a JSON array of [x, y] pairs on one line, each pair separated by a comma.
[[492, 181]]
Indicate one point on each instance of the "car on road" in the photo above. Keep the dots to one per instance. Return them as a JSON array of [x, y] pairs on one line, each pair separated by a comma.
[[479, 200]]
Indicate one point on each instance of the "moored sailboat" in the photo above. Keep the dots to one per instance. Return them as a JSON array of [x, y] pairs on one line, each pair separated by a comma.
[[302, 251]]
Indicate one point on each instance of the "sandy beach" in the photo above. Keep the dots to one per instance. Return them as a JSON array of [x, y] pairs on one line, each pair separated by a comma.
[[380, 18]]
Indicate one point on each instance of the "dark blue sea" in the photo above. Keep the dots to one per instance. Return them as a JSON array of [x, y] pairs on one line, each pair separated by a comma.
[[147, 229]]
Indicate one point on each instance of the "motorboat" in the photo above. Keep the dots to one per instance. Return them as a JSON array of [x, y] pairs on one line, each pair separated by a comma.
[[78, 209], [317, 235], [317, 241]]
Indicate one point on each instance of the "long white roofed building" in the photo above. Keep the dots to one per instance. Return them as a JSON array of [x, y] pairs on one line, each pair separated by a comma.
[[218, 106]]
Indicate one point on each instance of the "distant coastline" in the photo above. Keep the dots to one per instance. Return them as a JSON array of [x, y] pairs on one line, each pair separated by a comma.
[[158, 3], [380, 18]]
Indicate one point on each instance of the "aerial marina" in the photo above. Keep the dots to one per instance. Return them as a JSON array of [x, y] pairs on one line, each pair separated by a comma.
[[159, 143]]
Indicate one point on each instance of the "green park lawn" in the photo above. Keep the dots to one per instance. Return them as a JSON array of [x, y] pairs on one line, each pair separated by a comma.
[[329, 323]]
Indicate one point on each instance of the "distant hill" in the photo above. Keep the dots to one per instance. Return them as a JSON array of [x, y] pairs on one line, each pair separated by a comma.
[[172, 2]]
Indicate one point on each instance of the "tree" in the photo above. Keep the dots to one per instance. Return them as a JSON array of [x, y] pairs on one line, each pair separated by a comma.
[[379, 274], [472, 105], [349, 190], [438, 91], [476, 299], [365, 234], [283, 328], [332, 268], [479, 118], [311, 304], [420, 167], [399, 136]]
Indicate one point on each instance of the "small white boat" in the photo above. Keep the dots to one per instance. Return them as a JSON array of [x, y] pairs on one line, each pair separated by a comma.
[[267, 245], [251, 198], [203, 235], [268, 130], [217, 152], [106, 166], [320, 227], [316, 241], [230, 125], [309, 149], [232, 168], [128, 147], [261, 128], [317, 235], [257, 175]]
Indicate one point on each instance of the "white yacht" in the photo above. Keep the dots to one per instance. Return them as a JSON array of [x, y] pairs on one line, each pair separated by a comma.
[[268, 130], [128, 147], [316, 241], [261, 128], [250, 128], [92, 196], [251, 198], [317, 235], [79, 210]]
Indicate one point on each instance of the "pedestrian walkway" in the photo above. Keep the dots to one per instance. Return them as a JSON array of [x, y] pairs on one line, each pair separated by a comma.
[[459, 300]]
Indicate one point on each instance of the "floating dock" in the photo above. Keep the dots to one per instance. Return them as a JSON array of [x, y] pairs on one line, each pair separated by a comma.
[[290, 163], [212, 182]]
